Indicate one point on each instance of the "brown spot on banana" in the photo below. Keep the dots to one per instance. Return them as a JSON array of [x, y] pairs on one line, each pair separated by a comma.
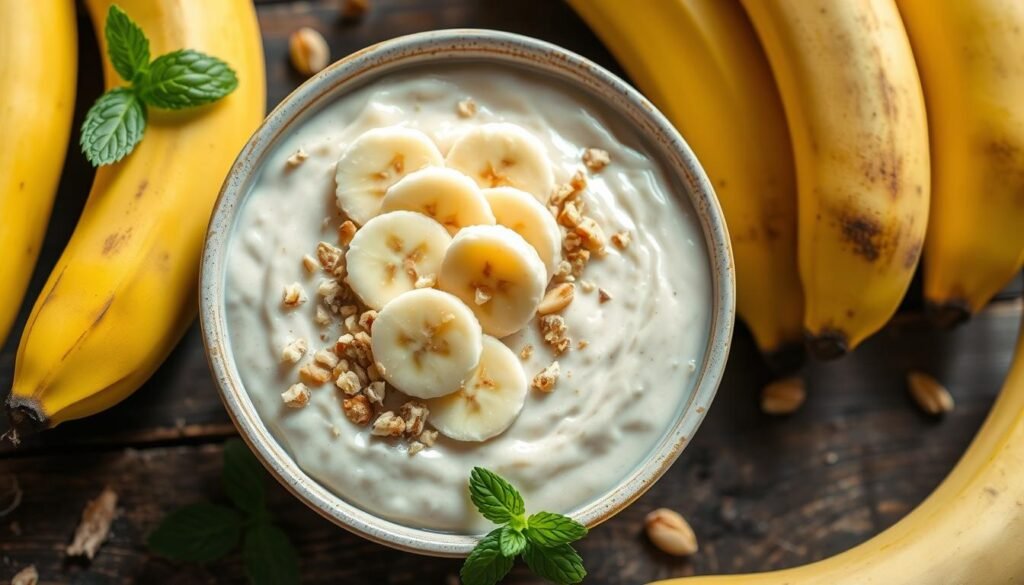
[[864, 234], [115, 240]]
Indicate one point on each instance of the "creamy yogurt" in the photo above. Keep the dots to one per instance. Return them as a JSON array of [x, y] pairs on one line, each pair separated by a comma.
[[616, 398]]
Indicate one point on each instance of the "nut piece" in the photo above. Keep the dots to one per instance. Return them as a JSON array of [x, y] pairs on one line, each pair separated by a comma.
[[415, 416], [366, 320], [557, 298], [375, 393], [555, 333], [670, 533], [95, 525], [293, 296], [348, 382], [354, 9], [596, 159], [294, 351], [604, 296], [591, 234], [346, 231], [357, 409], [415, 447], [466, 108], [931, 396], [323, 316], [388, 425], [546, 379], [309, 51], [783, 396], [26, 576], [570, 215], [332, 259], [310, 263], [526, 353], [427, 281], [428, 438], [297, 158], [296, 396], [621, 240], [314, 375]]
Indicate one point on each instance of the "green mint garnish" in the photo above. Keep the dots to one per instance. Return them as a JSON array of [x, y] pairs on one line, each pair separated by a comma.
[[542, 539], [206, 532], [180, 79]]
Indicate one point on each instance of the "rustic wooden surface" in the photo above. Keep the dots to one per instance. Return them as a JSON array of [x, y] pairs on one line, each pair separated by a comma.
[[760, 492]]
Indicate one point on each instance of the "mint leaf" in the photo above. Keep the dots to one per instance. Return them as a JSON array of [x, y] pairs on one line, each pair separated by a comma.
[[548, 529], [512, 542], [496, 499], [559, 564], [486, 565], [127, 45], [243, 479], [199, 533], [112, 127], [269, 557], [186, 78]]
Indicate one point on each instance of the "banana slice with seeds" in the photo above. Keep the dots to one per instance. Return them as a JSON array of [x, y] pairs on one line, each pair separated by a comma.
[[502, 154], [523, 214], [391, 252], [428, 341], [497, 274], [446, 195], [488, 402], [375, 161]]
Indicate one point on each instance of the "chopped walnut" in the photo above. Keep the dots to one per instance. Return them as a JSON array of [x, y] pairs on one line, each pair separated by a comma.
[[331, 258], [555, 333], [296, 396], [349, 383], [326, 358], [366, 320], [294, 351], [375, 393], [415, 416], [482, 295], [621, 240], [572, 242], [297, 158], [570, 215], [578, 181], [294, 295], [330, 290], [546, 379], [360, 373], [357, 409], [603, 295], [323, 316], [310, 264], [428, 438], [596, 159], [563, 270], [557, 298], [578, 260], [587, 286], [388, 425], [352, 324], [415, 447], [427, 281], [346, 231], [591, 234], [95, 525], [373, 372], [466, 108], [348, 310], [526, 352], [314, 375]]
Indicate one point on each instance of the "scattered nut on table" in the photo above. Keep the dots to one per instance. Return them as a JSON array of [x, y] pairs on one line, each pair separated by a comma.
[[309, 51], [670, 533], [783, 396], [929, 394]]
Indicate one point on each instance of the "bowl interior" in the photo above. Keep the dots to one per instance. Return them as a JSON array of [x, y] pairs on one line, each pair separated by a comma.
[[662, 142]]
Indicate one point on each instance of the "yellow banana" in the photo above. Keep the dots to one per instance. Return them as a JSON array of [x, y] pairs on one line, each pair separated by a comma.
[[970, 531], [124, 290], [856, 114], [38, 63], [700, 63], [971, 55]]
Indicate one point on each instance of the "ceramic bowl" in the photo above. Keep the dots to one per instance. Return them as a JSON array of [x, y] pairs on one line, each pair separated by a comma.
[[623, 102]]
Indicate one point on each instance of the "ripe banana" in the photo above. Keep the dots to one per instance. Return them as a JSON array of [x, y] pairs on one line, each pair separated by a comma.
[[503, 154], [38, 63], [974, 90], [700, 62], [522, 213], [428, 343], [446, 195], [969, 531], [123, 292], [856, 114]]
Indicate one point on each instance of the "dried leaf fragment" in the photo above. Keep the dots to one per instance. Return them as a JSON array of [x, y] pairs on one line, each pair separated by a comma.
[[95, 525]]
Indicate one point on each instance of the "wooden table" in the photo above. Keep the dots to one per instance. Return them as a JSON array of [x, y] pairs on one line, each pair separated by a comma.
[[760, 492]]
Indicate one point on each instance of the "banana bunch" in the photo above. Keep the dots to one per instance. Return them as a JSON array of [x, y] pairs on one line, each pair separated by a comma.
[[123, 292], [38, 64]]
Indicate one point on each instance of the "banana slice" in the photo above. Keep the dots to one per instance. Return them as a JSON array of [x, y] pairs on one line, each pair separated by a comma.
[[376, 160], [520, 212], [497, 274], [391, 252], [488, 402], [428, 341], [503, 154], [446, 195]]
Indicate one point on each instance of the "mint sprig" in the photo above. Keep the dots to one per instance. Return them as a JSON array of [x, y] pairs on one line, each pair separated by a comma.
[[205, 532], [542, 539], [115, 124]]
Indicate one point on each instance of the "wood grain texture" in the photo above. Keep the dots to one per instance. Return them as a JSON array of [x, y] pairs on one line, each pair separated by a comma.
[[760, 492]]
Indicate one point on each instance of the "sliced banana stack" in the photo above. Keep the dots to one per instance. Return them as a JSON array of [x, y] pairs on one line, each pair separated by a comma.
[[497, 274], [523, 214], [446, 195], [502, 154], [428, 341], [375, 161], [391, 252], [488, 402]]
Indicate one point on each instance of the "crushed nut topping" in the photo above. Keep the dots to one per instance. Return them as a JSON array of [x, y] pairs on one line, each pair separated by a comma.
[[557, 298], [326, 358], [546, 379], [357, 409], [296, 396], [375, 393], [564, 269], [555, 333], [294, 295], [603, 295], [323, 316], [348, 310], [352, 324], [428, 438], [366, 320], [591, 235], [297, 158], [427, 281], [621, 240], [578, 181], [310, 264], [466, 108], [415, 447], [348, 382], [415, 416], [388, 425], [294, 351], [578, 260], [331, 258], [526, 352], [314, 375], [570, 215], [596, 159], [346, 231], [582, 344]]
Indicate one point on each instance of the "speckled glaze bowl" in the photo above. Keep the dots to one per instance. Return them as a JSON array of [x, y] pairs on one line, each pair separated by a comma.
[[663, 143]]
